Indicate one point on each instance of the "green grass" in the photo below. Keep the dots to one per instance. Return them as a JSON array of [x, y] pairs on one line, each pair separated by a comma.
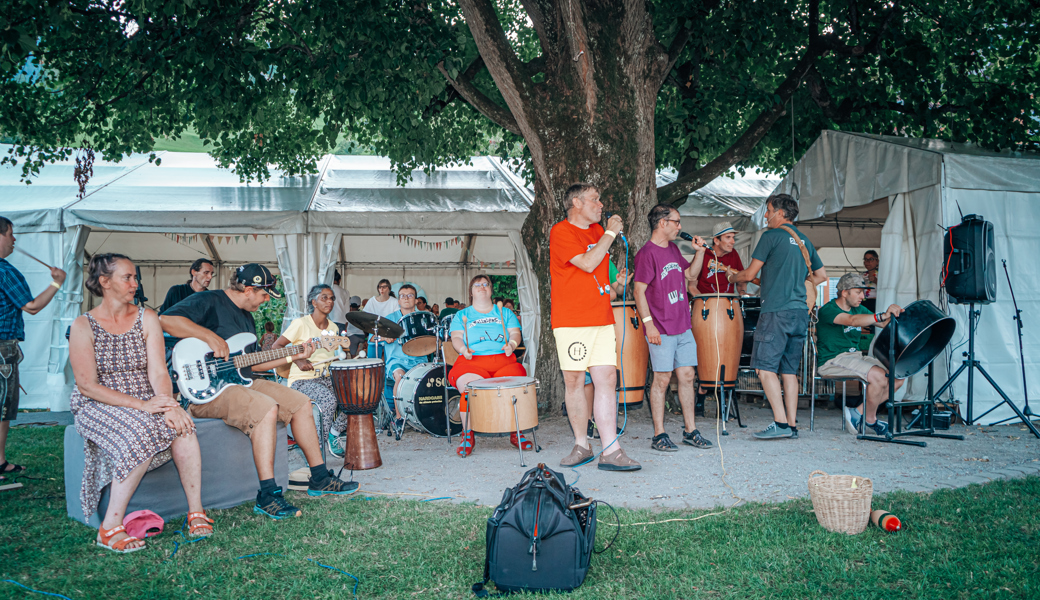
[[976, 542]]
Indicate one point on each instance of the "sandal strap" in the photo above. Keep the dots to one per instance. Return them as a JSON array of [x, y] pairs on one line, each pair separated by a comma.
[[107, 534], [199, 515], [123, 543]]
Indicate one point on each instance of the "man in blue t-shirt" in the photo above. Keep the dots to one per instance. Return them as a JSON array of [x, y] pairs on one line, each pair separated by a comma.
[[784, 321], [397, 362], [15, 297], [838, 337]]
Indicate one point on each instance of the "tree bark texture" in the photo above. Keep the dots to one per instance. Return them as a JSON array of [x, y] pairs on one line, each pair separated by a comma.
[[591, 119]]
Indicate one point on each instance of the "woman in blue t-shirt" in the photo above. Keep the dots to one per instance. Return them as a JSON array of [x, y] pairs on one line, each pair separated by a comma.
[[485, 343]]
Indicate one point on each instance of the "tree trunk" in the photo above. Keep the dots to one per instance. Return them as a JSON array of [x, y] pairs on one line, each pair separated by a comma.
[[592, 120]]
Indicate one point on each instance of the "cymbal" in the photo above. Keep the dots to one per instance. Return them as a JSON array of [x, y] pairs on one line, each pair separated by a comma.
[[368, 323]]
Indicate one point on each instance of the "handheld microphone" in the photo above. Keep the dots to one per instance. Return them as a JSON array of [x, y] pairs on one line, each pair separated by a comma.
[[689, 238], [621, 234]]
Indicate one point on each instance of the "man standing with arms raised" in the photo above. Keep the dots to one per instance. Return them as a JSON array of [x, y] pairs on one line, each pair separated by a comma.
[[15, 297], [661, 280], [583, 323], [784, 321]]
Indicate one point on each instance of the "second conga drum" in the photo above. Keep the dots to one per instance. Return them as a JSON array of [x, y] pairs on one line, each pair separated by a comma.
[[718, 328], [632, 358]]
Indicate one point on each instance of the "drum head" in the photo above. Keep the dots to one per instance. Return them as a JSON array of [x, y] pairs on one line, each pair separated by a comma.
[[493, 383], [450, 355], [422, 400], [421, 346], [355, 363], [706, 296]]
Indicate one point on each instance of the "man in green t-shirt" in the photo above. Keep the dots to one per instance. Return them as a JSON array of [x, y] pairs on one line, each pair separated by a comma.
[[838, 354]]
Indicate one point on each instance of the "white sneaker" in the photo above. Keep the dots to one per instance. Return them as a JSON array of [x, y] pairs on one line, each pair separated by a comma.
[[852, 419]]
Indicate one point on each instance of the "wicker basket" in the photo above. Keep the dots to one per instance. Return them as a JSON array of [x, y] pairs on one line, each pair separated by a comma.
[[839, 507]]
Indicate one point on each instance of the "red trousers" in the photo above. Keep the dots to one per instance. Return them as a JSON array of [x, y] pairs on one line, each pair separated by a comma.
[[494, 365]]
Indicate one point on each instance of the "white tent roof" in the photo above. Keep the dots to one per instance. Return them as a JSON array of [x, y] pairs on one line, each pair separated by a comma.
[[843, 170], [36, 206], [188, 193], [360, 194]]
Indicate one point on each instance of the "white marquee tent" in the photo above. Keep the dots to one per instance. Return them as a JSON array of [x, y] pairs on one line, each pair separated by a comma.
[[917, 187]]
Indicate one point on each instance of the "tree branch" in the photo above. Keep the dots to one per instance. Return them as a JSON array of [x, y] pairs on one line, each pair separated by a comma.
[[741, 149], [509, 73], [484, 105], [466, 76], [547, 30]]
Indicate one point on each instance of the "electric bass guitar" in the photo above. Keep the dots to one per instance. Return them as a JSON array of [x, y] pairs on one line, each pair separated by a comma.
[[201, 377]]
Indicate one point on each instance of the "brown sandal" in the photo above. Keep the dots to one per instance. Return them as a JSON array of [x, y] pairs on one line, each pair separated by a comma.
[[202, 529], [119, 547]]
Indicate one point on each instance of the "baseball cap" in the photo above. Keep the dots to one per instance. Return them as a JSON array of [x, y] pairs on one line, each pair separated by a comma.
[[449, 300], [722, 228], [259, 276], [355, 300], [851, 281], [143, 523]]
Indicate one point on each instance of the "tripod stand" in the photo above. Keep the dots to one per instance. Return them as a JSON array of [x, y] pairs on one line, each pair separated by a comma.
[[971, 364], [1021, 353]]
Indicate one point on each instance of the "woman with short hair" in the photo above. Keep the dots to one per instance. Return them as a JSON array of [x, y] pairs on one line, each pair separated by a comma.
[[123, 404]]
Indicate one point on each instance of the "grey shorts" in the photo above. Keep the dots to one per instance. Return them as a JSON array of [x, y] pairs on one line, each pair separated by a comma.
[[779, 338], [675, 351]]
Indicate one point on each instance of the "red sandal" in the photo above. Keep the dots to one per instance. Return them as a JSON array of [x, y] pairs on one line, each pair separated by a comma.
[[202, 529], [466, 445], [120, 546], [523, 443]]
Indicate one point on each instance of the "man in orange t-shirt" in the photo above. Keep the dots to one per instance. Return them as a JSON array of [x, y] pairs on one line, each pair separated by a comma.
[[583, 323]]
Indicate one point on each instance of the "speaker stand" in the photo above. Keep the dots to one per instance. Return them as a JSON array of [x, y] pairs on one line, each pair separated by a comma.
[[971, 365]]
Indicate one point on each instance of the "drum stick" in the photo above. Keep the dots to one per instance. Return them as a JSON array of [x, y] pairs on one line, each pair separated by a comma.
[[465, 333], [33, 257], [502, 315]]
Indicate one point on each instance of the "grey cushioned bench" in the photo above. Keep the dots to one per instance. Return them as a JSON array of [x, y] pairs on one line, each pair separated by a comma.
[[228, 474]]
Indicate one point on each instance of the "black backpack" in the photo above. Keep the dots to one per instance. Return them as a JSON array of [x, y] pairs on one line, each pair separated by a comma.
[[540, 537]]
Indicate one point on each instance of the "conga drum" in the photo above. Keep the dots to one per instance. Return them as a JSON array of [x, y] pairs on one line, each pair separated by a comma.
[[718, 329], [358, 384], [633, 353]]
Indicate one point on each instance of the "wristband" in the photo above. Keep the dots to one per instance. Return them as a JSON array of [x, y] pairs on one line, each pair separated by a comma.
[[288, 360], [514, 343], [879, 317], [610, 233], [647, 319], [56, 285]]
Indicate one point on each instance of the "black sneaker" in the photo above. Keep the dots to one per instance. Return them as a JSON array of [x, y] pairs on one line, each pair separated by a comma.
[[662, 443], [591, 432], [330, 484], [698, 407], [880, 428], [274, 505], [695, 439]]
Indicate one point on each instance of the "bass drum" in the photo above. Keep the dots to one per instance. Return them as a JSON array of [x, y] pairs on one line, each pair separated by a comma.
[[421, 400]]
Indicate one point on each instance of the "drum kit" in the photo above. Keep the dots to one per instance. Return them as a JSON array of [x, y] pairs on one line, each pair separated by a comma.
[[425, 399]]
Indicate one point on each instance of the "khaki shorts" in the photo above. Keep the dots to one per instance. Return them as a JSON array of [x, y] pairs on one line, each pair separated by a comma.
[[243, 407], [579, 348], [849, 364]]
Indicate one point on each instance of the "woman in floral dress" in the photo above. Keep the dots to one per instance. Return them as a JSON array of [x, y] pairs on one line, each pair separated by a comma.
[[123, 404]]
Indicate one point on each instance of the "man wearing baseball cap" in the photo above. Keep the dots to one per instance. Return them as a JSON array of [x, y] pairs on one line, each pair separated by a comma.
[[713, 264], [838, 355], [214, 316]]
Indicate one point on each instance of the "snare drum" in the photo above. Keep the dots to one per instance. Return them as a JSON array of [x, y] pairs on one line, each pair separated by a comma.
[[358, 384], [419, 333], [421, 400], [491, 404]]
